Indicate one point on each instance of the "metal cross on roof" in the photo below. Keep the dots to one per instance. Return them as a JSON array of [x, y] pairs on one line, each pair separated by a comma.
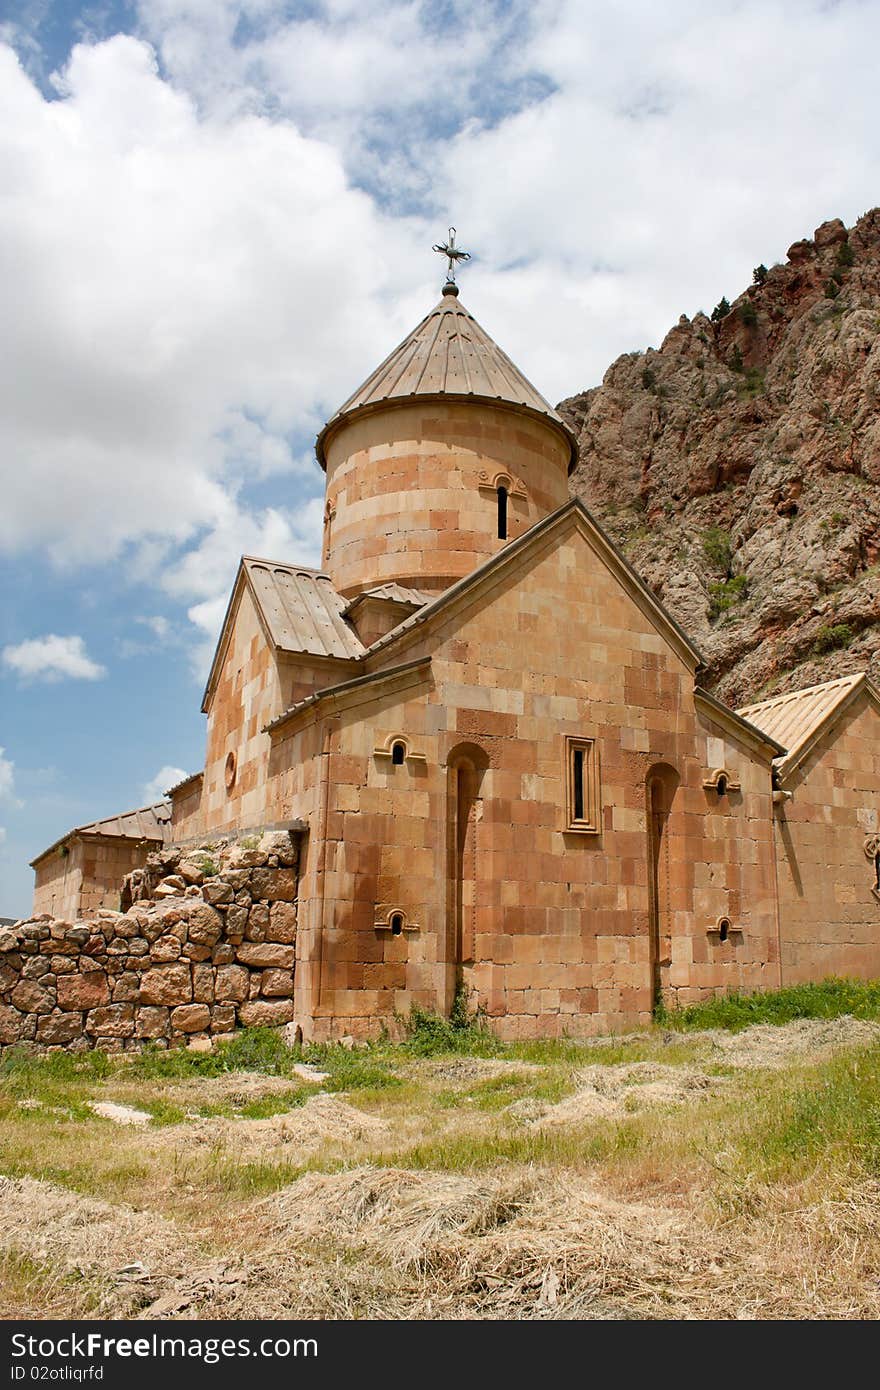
[[452, 252]]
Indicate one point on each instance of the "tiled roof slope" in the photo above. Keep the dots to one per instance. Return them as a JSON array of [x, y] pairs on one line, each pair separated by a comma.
[[392, 593], [796, 718], [448, 354], [145, 823], [301, 609]]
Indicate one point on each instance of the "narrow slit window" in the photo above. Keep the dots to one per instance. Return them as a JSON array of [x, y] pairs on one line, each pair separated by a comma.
[[398, 753], [502, 513], [582, 793], [578, 783]]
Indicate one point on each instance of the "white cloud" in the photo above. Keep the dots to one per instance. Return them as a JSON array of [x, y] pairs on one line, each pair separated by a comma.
[[166, 777], [186, 301], [52, 658], [7, 779], [195, 275], [679, 147], [2, 834], [159, 626]]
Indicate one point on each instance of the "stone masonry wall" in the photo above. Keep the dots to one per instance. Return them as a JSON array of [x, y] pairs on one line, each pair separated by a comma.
[[207, 944]]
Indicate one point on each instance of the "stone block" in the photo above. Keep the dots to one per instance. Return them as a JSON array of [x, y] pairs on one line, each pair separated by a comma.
[[193, 951], [215, 890], [277, 983], [35, 967], [236, 922], [152, 1022], [83, 991], [31, 998], [231, 983], [57, 1029], [126, 988], [203, 983], [166, 984], [258, 922], [190, 1018], [223, 1018], [265, 1013], [10, 1024], [111, 1021], [275, 885], [266, 953], [165, 948], [282, 923], [204, 924], [281, 844]]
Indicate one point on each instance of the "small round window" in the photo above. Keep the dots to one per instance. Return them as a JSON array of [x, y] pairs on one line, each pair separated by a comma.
[[230, 771]]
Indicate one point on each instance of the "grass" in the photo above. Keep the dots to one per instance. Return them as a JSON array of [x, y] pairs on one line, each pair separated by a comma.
[[828, 999], [828, 1121], [760, 1148]]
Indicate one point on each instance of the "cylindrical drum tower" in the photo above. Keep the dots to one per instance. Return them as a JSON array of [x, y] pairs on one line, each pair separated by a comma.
[[443, 455]]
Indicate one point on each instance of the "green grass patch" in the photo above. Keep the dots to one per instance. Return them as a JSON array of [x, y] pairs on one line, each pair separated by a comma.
[[827, 1119], [828, 999]]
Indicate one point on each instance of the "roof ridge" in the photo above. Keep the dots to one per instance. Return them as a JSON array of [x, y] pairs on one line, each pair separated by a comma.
[[438, 360], [803, 690], [286, 565]]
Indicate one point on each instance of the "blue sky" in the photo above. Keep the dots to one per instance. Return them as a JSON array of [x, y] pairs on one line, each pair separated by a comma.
[[216, 218]]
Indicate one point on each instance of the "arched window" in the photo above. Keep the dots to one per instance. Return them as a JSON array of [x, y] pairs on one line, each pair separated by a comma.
[[502, 513], [396, 923], [398, 753]]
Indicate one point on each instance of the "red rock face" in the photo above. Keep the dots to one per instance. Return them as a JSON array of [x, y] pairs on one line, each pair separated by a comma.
[[748, 450]]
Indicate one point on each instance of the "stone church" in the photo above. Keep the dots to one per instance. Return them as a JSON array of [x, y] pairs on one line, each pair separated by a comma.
[[491, 744]]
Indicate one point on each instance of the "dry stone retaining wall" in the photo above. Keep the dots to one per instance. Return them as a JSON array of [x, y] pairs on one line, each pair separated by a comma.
[[207, 944]]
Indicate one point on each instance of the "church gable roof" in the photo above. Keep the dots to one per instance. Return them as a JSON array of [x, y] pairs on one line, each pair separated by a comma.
[[514, 550], [144, 823], [448, 355], [798, 718], [299, 611]]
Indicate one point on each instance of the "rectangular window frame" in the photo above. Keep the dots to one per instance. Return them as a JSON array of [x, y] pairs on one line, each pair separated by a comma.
[[583, 799]]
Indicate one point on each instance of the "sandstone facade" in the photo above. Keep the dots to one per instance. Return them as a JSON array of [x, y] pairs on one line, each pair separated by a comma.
[[488, 744]]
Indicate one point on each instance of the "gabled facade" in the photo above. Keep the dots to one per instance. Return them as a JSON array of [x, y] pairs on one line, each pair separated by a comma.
[[827, 832], [489, 740], [84, 869]]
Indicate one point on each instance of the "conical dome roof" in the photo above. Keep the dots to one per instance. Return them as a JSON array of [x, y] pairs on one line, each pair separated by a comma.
[[447, 355]]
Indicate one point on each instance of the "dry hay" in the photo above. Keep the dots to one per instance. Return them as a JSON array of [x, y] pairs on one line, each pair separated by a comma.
[[524, 1245], [469, 1069], [231, 1088], [406, 1211], [102, 1253], [611, 1092], [803, 1039], [323, 1120], [539, 1244]]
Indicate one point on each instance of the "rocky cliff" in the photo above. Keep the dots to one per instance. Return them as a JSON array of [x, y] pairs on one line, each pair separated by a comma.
[[738, 467]]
